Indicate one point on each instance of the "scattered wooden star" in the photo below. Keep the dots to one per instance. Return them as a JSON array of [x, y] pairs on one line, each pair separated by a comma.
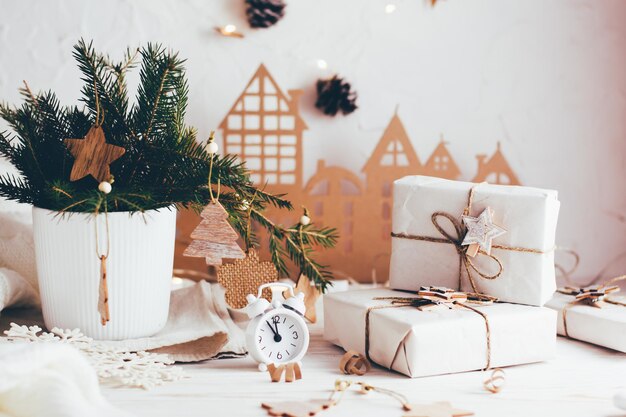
[[592, 295], [438, 409], [92, 155], [296, 408], [311, 294], [481, 230]]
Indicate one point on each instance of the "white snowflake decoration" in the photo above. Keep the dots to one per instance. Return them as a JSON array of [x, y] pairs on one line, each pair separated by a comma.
[[114, 366]]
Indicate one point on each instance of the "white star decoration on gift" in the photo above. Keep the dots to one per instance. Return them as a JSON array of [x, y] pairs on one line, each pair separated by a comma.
[[481, 230]]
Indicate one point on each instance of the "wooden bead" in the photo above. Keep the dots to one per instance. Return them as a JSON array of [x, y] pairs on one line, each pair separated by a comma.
[[105, 187]]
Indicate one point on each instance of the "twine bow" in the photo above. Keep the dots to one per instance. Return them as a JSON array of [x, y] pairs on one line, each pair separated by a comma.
[[456, 239], [431, 298], [593, 296]]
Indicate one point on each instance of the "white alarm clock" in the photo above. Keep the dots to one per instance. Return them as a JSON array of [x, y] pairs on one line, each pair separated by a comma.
[[277, 332]]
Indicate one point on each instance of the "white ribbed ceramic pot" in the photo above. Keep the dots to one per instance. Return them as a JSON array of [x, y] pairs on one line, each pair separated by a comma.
[[139, 270]]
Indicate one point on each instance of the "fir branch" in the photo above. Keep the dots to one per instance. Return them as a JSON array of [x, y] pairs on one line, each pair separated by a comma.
[[17, 189], [113, 101], [164, 164], [297, 241], [278, 254]]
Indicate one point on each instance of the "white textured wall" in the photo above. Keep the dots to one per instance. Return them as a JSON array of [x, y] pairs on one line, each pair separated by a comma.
[[545, 77]]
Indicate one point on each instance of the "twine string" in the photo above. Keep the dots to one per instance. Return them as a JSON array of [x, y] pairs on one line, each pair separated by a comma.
[[342, 386], [99, 113], [214, 199], [567, 273], [487, 331]]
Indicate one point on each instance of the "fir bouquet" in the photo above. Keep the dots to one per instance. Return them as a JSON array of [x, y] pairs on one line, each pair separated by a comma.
[[163, 163]]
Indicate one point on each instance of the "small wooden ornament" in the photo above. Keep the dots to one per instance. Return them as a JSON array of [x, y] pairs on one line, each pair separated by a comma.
[[353, 363], [438, 409], [245, 276], [214, 238], [297, 408], [311, 294], [103, 293], [496, 381], [93, 155], [292, 372]]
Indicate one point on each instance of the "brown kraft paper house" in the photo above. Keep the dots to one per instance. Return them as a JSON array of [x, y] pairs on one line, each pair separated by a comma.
[[264, 128]]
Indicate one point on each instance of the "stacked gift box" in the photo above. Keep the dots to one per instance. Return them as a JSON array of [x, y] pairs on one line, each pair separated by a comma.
[[473, 278]]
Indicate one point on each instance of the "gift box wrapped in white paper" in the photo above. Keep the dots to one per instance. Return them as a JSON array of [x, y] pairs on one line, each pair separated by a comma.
[[604, 325], [442, 341], [522, 259]]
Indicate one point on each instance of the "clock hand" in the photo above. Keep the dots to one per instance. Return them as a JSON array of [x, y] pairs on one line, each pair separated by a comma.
[[271, 328], [277, 337]]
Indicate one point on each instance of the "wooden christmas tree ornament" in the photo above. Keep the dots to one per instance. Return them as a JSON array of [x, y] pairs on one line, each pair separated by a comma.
[[93, 155], [214, 238], [245, 276], [296, 408]]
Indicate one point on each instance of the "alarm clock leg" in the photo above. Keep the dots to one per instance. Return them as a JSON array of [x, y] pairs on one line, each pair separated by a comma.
[[263, 367]]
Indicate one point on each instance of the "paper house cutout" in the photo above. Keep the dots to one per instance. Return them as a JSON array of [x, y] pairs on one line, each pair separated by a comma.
[[359, 207], [496, 170], [441, 164], [264, 128]]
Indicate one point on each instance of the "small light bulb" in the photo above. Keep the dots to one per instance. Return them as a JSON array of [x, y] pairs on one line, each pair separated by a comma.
[[390, 8], [230, 28], [321, 64]]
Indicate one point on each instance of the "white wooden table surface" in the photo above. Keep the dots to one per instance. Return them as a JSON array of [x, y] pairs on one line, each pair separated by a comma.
[[580, 382]]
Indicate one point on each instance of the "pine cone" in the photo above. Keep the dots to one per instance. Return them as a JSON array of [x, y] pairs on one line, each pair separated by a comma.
[[264, 13], [334, 95]]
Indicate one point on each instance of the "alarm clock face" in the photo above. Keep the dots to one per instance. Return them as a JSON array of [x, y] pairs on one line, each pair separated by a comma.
[[281, 335]]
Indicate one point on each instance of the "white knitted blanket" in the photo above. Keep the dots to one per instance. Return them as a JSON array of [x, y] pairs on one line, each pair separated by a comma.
[[45, 380]]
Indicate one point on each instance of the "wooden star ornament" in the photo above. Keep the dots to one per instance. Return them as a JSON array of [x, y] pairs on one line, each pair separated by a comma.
[[296, 408], [92, 155], [438, 409], [481, 231], [311, 294]]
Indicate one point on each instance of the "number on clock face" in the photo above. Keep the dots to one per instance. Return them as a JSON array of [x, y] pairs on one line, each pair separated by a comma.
[[280, 337]]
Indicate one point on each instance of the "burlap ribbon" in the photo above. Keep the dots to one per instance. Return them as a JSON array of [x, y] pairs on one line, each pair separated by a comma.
[[456, 239], [433, 297], [593, 296]]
